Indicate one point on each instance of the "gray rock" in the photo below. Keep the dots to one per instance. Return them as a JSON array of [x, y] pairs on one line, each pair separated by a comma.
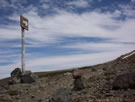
[[18, 77], [15, 76], [124, 81], [62, 95], [78, 84], [34, 76], [16, 73], [67, 74], [27, 72], [27, 79]]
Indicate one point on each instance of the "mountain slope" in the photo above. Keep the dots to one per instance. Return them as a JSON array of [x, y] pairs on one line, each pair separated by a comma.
[[98, 81]]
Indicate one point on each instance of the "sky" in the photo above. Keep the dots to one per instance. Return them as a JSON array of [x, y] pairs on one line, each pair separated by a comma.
[[65, 34]]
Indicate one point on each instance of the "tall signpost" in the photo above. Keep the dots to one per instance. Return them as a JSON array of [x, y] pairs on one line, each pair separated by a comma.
[[24, 26]]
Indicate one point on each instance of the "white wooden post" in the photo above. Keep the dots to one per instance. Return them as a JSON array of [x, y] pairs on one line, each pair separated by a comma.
[[24, 26], [23, 51]]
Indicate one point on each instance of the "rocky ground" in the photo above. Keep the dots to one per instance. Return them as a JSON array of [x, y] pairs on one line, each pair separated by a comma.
[[58, 86]]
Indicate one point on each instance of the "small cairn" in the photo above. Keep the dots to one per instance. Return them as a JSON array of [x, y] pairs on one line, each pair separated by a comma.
[[18, 77], [78, 83]]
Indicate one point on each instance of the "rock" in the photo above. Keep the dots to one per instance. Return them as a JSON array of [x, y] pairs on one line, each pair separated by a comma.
[[27, 72], [15, 76], [62, 95], [27, 79], [124, 81], [16, 73], [34, 76], [78, 84], [5, 98], [67, 74], [18, 77], [77, 74]]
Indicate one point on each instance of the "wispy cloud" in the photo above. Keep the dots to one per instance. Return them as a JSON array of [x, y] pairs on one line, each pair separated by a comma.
[[71, 61], [101, 46], [133, 1], [79, 3], [52, 30]]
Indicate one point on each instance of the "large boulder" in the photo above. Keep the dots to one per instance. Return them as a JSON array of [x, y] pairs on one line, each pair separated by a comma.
[[15, 76], [16, 73], [27, 79], [29, 73], [124, 81]]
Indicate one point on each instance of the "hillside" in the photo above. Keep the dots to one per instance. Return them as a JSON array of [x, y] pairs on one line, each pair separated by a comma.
[[57, 86]]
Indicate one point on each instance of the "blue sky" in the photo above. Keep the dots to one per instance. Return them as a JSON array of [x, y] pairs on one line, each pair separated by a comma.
[[65, 33]]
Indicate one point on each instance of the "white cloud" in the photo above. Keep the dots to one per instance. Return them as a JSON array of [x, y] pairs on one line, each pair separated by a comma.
[[14, 4], [117, 13], [127, 10], [86, 25], [51, 29], [93, 24], [79, 3], [72, 61], [101, 46], [132, 1], [45, 6], [4, 4]]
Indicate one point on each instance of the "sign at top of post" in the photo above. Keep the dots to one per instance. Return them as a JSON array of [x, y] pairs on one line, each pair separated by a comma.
[[24, 22]]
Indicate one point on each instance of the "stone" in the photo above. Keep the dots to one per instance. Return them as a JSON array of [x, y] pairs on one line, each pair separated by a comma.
[[124, 81], [67, 74], [5, 98], [15, 76], [18, 77], [16, 73], [77, 74], [27, 79], [34, 76], [62, 95], [27, 72], [78, 84]]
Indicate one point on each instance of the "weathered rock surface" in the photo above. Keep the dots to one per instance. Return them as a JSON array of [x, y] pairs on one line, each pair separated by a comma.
[[16, 73], [27, 79], [15, 76], [125, 81]]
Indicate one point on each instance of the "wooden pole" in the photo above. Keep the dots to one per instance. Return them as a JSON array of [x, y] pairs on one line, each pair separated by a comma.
[[23, 51]]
